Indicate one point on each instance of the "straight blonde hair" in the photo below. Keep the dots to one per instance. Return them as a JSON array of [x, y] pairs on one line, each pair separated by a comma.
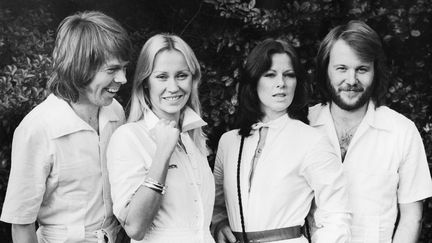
[[140, 100]]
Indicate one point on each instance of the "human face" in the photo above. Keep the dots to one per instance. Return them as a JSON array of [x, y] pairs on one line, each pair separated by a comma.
[[276, 87], [105, 84], [169, 84], [350, 79]]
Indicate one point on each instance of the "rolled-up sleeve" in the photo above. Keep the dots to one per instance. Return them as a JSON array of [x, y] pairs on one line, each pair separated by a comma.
[[325, 175], [30, 168], [127, 168]]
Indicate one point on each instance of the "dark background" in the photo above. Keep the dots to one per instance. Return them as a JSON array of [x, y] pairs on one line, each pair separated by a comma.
[[221, 32]]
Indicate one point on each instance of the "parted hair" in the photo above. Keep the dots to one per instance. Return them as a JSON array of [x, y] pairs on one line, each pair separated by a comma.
[[140, 99], [84, 42], [257, 63], [366, 44]]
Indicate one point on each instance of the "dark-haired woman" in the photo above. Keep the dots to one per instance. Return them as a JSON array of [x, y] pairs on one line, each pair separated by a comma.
[[269, 170]]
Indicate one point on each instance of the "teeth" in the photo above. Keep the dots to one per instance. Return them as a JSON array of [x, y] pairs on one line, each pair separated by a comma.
[[113, 90], [172, 98]]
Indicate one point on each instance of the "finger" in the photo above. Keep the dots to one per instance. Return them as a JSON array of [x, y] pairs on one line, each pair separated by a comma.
[[172, 123], [229, 235]]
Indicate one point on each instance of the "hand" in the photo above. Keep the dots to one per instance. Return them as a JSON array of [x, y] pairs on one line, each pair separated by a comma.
[[224, 234], [166, 135]]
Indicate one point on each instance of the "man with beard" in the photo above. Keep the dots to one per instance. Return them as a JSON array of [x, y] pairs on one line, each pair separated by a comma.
[[382, 152]]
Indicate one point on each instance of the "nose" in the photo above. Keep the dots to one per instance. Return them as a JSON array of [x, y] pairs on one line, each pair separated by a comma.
[[172, 85], [120, 77], [280, 82], [351, 77]]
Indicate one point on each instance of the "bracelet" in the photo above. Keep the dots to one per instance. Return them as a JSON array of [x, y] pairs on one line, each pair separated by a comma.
[[154, 185]]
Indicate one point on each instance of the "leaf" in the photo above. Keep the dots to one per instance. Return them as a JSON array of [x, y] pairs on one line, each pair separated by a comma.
[[251, 4]]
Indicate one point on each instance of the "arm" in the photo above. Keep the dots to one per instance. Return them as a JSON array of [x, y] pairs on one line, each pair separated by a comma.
[[324, 173], [25, 233], [220, 225], [409, 226], [136, 205]]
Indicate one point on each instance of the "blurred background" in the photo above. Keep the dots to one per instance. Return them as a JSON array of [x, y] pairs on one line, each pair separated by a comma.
[[222, 33]]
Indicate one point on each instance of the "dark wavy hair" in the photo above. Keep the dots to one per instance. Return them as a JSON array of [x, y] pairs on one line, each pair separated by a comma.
[[257, 63], [84, 42], [368, 47]]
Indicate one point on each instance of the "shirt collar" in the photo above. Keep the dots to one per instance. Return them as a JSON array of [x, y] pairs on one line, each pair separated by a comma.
[[66, 121], [276, 123], [191, 120], [371, 117]]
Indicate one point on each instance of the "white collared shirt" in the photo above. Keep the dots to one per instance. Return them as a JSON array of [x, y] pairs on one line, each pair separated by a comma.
[[296, 164], [385, 164], [186, 207], [58, 175]]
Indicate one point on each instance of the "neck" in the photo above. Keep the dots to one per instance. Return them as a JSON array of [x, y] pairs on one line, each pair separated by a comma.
[[88, 113], [345, 117], [271, 117]]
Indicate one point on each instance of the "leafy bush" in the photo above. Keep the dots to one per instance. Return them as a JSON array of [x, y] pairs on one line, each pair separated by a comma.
[[24, 70], [222, 33]]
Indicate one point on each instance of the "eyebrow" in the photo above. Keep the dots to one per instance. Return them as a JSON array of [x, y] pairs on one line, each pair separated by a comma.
[[116, 65]]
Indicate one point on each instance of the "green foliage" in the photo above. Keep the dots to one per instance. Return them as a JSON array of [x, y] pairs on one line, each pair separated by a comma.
[[222, 33]]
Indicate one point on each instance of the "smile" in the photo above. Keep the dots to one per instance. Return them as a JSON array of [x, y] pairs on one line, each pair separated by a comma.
[[173, 98], [113, 90]]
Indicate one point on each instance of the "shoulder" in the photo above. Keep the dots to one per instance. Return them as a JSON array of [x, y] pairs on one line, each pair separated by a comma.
[[132, 129], [315, 112], [229, 137], [39, 117], [305, 131], [117, 108], [392, 118]]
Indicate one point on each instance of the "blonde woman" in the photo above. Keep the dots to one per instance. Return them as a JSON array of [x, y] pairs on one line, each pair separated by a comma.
[[162, 186]]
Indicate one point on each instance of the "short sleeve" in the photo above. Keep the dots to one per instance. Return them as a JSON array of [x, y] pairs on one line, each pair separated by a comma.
[[128, 162], [414, 177], [30, 166]]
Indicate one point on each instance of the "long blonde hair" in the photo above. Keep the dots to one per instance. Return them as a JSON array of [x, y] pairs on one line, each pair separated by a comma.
[[140, 100]]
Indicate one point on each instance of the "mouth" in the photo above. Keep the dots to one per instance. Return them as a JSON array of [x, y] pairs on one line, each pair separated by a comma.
[[173, 97], [112, 90], [281, 95]]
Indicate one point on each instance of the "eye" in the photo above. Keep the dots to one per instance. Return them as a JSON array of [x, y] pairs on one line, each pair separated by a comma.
[[162, 76], [269, 75], [182, 76], [363, 70], [111, 70], [341, 68], [289, 74]]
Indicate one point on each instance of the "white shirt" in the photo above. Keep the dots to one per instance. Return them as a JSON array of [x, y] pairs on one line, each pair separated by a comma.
[[58, 175], [296, 165], [385, 164], [186, 208]]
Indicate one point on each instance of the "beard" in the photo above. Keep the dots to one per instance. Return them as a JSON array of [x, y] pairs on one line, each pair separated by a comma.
[[361, 101]]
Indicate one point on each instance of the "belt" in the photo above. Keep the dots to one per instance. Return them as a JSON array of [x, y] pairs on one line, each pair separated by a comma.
[[271, 235]]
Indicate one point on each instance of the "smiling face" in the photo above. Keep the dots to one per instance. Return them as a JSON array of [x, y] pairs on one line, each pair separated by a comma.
[[349, 78], [169, 84], [105, 84], [276, 87]]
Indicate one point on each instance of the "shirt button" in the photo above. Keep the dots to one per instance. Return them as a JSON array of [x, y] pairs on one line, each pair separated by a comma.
[[259, 150]]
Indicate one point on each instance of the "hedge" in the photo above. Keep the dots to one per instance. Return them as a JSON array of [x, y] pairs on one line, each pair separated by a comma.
[[222, 32]]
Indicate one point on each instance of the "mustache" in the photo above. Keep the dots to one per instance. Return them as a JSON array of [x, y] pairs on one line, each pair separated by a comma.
[[355, 88]]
